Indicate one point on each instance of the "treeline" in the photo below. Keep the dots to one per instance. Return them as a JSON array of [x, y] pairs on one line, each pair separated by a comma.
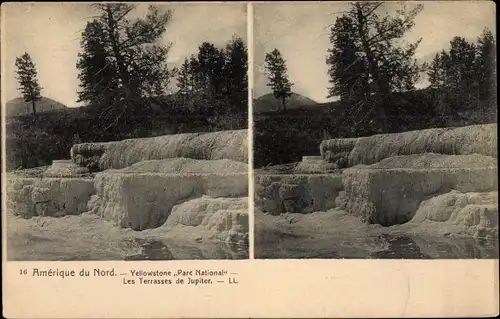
[[464, 77], [215, 80]]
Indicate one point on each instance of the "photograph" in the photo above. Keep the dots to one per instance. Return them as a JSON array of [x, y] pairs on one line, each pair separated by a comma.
[[126, 131], [374, 130]]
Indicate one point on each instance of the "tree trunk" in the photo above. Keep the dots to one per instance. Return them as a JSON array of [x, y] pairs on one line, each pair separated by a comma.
[[381, 84], [33, 106], [129, 99], [283, 102]]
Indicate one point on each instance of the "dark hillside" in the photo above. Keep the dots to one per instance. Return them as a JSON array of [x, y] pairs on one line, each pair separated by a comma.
[[281, 138], [268, 103], [18, 106], [31, 144]]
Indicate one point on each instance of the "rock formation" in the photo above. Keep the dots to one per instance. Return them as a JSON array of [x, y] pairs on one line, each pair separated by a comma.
[[475, 139], [145, 200], [28, 197], [278, 194], [471, 214], [404, 178], [142, 184], [230, 145], [392, 196], [226, 217]]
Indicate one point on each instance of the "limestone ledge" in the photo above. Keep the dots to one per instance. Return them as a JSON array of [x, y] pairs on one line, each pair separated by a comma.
[[456, 199], [140, 200], [474, 139], [65, 168], [392, 196], [225, 218], [230, 145], [298, 193], [145, 200], [28, 197], [466, 214]]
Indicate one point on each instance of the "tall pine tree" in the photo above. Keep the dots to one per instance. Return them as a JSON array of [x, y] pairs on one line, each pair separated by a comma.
[[28, 80], [184, 82], [438, 81], [347, 71], [136, 58], [461, 83], [388, 65], [486, 66], [277, 75], [235, 74], [211, 66], [437, 71], [196, 77], [98, 76]]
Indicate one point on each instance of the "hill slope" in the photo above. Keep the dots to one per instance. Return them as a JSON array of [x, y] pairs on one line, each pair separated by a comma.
[[268, 103], [18, 106]]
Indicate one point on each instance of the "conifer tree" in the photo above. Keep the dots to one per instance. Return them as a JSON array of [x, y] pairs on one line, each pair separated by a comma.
[[347, 71], [28, 80], [387, 65], [461, 82], [486, 66], [235, 74], [197, 81], [98, 76], [184, 82], [277, 75], [137, 59], [211, 66]]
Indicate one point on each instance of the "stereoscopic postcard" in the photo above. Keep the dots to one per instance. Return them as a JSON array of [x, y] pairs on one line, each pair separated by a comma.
[[249, 159]]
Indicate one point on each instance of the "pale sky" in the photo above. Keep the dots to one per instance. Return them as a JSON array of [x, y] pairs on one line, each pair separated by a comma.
[[50, 33], [300, 31]]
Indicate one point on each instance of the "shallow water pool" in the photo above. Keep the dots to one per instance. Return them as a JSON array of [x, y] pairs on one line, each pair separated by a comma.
[[378, 247]]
